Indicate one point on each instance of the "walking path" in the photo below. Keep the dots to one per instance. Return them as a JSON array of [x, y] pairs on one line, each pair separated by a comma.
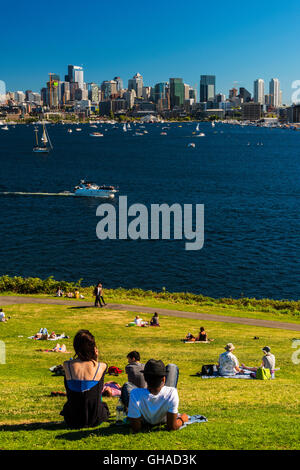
[[10, 300]]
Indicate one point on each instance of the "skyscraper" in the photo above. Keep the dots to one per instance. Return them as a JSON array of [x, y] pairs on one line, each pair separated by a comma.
[[119, 83], [207, 88], [75, 74], [259, 91], [274, 90], [176, 92], [136, 84]]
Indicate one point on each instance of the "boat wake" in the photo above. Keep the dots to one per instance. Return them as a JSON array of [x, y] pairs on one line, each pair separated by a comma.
[[20, 193]]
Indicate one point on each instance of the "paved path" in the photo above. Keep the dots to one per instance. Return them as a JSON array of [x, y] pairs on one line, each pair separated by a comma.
[[10, 300]]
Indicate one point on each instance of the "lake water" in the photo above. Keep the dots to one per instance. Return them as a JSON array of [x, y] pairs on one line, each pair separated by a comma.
[[251, 195]]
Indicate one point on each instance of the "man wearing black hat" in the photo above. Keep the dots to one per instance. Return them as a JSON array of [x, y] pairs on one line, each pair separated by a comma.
[[158, 403]]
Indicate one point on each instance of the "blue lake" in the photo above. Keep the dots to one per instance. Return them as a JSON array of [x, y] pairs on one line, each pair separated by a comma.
[[251, 195]]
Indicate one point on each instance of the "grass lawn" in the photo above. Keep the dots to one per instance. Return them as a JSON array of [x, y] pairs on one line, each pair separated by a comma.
[[242, 414]]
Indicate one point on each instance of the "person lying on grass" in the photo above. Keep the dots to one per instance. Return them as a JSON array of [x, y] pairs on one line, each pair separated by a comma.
[[268, 361], [228, 363], [158, 403]]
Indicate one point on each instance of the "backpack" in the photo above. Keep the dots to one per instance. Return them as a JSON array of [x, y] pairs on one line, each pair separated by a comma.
[[263, 374], [207, 370]]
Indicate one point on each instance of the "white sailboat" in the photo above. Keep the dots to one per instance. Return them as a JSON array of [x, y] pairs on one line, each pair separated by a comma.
[[45, 140], [197, 127], [124, 128]]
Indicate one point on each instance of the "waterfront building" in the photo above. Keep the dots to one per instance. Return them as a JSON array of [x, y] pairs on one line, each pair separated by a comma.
[[233, 93], [136, 84], [34, 97], [274, 90], [176, 92], [251, 111], [259, 91], [65, 92], [192, 94], [186, 91], [19, 96], [207, 88]]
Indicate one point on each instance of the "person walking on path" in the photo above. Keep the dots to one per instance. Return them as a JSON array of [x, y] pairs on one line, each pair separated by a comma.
[[98, 291]]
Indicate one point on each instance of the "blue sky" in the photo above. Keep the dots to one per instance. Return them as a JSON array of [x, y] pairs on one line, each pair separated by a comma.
[[236, 41]]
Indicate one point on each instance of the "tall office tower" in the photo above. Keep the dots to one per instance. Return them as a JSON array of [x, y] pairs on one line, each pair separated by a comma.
[[119, 83], [53, 90], [244, 95], [27, 92], [176, 92], [207, 88], [75, 74], [186, 91], [64, 92], [136, 84], [192, 94], [259, 91], [233, 93], [93, 92], [108, 88], [274, 90], [129, 96], [34, 97]]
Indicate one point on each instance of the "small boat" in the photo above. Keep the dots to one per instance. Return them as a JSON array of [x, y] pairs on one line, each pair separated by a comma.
[[78, 129], [163, 133], [197, 128], [191, 144], [45, 139], [124, 128], [5, 128], [70, 131], [93, 190], [200, 135], [96, 134]]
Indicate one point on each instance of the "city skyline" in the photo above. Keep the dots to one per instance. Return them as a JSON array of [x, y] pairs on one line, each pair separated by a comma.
[[237, 47]]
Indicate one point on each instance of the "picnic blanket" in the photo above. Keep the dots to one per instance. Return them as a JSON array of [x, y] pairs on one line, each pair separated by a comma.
[[216, 375], [197, 342], [194, 419]]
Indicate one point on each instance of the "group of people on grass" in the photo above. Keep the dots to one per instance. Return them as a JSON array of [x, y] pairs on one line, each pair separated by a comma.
[[149, 396], [228, 364]]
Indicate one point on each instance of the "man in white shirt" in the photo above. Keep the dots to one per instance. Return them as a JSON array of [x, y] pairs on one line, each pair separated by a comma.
[[228, 363], [156, 404]]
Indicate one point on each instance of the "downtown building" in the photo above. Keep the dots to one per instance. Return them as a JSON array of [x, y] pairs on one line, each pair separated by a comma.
[[207, 88], [259, 91]]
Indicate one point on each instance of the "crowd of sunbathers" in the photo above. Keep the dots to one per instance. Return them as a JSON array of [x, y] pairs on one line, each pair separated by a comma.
[[148, 398]]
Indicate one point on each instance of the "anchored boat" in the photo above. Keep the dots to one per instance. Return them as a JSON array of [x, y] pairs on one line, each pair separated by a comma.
[[46, 144]]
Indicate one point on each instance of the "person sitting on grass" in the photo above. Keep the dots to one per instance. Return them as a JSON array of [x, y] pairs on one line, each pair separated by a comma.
[[228, 364], [202, 336], [158, 403], [84, 379], [134, 371], [139, 322], [2, 316], [268, 362], [154, 320]]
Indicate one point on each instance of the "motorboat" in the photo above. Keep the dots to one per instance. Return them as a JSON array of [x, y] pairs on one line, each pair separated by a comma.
[[96, 134], [89, 189]]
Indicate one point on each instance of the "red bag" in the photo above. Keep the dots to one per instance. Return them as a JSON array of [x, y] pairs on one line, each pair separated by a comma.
[[113, 370]]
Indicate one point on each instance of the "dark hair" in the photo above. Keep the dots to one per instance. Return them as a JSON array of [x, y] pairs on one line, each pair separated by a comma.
[[153, 381], [134, 355], [84, 345], [202, 328], [155, 314]]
